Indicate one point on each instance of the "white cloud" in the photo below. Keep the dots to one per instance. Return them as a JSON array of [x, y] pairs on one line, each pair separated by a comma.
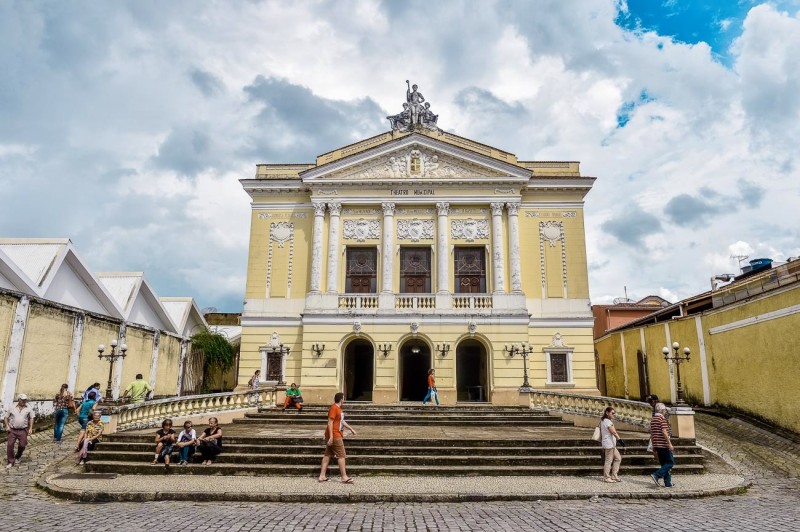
[[138, 119]]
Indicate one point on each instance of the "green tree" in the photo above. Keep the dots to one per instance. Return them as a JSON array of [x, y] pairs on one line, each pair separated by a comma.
[[218, 354]]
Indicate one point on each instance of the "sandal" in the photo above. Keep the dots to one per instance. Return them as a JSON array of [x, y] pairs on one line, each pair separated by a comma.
[[348, 481], [323, 479]]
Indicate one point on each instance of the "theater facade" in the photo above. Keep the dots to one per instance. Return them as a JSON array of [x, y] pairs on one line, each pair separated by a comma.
[[418, 249]]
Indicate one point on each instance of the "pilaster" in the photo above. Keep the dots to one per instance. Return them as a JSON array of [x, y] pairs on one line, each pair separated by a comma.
[[442, 255], [316, 247], [498, 262], [333, 248], [513, 247]]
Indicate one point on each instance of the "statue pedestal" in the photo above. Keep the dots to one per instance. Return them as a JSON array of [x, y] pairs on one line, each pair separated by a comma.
[[681, 422]]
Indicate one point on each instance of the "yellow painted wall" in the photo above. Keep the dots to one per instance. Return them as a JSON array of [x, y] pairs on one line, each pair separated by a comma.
[[8, 307], [140, 356], [90, 368], [169, 353], [753, 368], [45, 353]]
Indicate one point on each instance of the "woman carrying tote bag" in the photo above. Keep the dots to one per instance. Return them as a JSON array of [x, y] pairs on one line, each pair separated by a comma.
[[608, 438]]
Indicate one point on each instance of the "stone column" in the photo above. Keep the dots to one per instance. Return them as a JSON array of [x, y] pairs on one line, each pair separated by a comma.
[[75, 349], [513, 247], [442, 255], [316, 247], [388, 248], [333, 248], [182, 365], [497, 247], [154, 360]]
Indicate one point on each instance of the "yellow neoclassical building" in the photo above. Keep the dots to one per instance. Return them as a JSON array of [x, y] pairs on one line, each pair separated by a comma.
[[418, 249]]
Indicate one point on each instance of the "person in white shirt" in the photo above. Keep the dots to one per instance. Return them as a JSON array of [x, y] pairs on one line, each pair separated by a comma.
[[609, 437], [187, 441], [253, 384]]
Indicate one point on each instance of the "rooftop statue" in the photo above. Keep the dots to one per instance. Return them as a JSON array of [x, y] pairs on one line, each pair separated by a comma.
[[416, 112]]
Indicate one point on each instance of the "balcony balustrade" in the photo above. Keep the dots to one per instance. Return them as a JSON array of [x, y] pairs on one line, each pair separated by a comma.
[[472, 301], [415, 302]]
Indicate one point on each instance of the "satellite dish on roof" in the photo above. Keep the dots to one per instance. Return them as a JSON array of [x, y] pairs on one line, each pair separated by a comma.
[[208, 310], [622, 300]]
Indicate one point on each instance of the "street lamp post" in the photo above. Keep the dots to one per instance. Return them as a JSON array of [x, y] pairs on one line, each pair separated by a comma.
[[522, 350], [111, 357], [677, 358]]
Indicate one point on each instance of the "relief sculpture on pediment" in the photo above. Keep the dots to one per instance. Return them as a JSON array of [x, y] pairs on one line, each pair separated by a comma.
[[417, 164]]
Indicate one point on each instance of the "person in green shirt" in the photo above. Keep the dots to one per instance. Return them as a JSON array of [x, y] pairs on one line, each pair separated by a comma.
[[138, 390], [293, 397]]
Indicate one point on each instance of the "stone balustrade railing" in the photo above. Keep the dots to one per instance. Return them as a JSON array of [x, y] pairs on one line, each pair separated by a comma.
[[633, 412], [152, 413]]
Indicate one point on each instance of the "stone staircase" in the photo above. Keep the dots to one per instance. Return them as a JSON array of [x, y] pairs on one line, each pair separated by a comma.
[[458, 440]]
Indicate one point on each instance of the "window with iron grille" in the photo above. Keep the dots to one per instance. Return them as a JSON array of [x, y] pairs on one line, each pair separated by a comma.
[[415, 270], [559, 367], [470, 270], [362, 267]]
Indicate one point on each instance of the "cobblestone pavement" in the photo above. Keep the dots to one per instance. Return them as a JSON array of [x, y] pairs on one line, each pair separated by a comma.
[[772, 504]]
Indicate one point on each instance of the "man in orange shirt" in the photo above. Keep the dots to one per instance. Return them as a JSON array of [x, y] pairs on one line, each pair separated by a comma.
[[334, 441]]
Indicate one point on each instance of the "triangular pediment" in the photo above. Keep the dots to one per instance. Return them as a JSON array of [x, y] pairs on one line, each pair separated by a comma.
[[415, 157]]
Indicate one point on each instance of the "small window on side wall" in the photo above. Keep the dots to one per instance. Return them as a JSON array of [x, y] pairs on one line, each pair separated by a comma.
[[559, 367]]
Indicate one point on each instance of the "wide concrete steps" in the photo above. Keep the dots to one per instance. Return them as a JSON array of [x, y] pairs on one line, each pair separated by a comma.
[[353, 468]]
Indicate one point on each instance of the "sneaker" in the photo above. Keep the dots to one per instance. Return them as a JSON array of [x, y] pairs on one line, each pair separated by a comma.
[[81, 462], [9, 466], [655, 479]]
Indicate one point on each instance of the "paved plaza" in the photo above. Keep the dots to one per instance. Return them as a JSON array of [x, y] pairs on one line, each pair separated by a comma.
[[771, 463]]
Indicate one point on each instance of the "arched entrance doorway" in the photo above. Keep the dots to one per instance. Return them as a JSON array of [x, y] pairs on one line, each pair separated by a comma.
[[472, 372], [359, 370], [415, 361]]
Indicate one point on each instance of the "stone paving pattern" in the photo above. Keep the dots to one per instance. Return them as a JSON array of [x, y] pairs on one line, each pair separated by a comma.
[[773, 503]]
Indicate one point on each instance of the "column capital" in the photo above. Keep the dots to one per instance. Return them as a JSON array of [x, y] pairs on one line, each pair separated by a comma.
[[443, 208], [513, 209], [335, 208], [319, 208], [497, 208], [388, 208]]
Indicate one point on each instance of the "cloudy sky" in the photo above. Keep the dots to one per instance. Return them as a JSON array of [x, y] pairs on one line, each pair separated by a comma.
[[125, 126]]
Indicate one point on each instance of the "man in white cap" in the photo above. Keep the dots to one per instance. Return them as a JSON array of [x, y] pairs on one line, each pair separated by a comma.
[[19, 425]]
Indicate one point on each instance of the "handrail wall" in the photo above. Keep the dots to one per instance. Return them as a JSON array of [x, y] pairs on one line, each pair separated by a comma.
[[152, 413], [634, 412]]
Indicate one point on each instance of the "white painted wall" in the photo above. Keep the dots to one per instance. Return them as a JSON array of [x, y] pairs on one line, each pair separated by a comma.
[[69, 289], [142, 313]]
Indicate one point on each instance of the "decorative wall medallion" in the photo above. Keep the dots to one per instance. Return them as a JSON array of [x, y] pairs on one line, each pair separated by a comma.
[[326, 192], [472, 327], [551, 231], [415, 230], [469, 229], [558, 341], [504, 191], [357, 327], [414, 327], [275, 341], [281, 232], [361, 229]]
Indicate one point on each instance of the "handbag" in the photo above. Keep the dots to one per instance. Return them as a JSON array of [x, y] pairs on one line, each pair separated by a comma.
[[596, 434], [298, 399], [650, 445]]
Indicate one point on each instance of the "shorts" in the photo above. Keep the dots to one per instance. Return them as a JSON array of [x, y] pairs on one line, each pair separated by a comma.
[[83, 421], [336, 450]]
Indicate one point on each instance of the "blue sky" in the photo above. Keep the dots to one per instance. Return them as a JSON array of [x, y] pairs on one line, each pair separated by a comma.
[[715, 22], [126, 125]]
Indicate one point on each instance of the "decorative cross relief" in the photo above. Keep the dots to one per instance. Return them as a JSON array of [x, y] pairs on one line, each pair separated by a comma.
[[361, 229], [469, 229], [415, 230]]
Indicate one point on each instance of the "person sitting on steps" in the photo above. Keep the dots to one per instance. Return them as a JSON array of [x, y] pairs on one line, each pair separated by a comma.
[[165, 442], [187, 441], [91, 437], [293, 397]]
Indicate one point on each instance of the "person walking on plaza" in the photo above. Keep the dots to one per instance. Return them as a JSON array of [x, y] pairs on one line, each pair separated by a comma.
[[334, 441], [93, 388], [293, 398], [62, 403], [608, 438], [18, 422], [210, 443], [138, 390], [253, 384], [662, 446], [91, 437], [165, 442], [432, 393]]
